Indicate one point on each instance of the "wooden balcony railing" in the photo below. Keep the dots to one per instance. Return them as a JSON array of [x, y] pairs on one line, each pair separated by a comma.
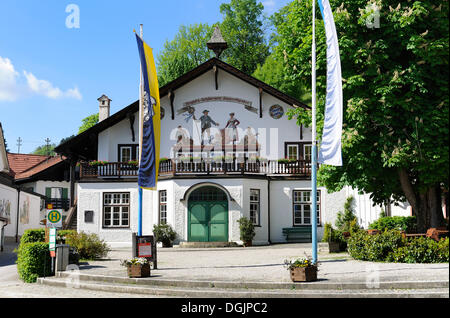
[[199, 167]]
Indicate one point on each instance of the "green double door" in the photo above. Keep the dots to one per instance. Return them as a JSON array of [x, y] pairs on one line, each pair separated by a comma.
[[208, 221]]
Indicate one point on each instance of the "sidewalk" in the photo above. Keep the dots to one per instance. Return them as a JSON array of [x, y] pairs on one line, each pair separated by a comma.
[[264, 264]]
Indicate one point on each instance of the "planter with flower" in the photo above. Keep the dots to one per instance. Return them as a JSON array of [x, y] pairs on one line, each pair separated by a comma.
[[137, 267], [302, 270]]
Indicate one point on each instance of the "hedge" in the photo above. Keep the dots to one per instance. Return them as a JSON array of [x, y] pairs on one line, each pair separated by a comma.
[[33, 261], [390, 246], [401, 223], [33, 236]]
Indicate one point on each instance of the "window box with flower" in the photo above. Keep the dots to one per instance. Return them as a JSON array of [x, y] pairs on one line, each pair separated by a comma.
[[137, 267], [302, 270]]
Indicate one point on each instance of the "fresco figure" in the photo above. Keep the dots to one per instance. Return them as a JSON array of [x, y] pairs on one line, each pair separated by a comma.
[[231, 129], [206, 122]]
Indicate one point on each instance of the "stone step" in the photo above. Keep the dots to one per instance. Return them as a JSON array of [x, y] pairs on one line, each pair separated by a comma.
[[215, 292], [206, 244]]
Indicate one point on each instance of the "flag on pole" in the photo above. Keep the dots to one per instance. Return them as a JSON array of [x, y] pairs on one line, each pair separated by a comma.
[[330, 152], [149, 142]]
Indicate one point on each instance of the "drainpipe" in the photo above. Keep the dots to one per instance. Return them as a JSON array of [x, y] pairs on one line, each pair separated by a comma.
[[268, 209], [18, 209], [2, 237]]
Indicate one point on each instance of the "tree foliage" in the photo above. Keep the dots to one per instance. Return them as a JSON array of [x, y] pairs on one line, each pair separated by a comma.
[[186, 51], [88, 122], [395, 83], [242, 28]]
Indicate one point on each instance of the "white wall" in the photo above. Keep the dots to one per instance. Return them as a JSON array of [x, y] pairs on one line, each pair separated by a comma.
[[30, 213], [277, 131], [90, 198]]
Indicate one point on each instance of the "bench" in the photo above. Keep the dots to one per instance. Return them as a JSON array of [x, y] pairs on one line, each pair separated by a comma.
[[301, 234], [433, 233]]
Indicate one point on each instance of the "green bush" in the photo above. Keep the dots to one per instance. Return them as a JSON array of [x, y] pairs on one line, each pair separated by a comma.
[[33, 261], [346, 221], [33, 236], [247, 229], [422, 250], [89, 246], [327, 229], [365, 247], [164, 234], [400, 223]]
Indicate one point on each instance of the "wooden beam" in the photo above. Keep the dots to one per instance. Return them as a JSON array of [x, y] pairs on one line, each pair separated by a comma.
[[216, 74], [301, 131], [172, 97], [260, 102]]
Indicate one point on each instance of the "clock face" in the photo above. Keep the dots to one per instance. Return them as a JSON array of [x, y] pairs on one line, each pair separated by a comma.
[[276, 111], [163, 112]]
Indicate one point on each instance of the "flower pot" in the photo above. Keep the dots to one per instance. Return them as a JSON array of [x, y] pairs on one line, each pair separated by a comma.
[[373, 232], [138, 270], [304, 274], [334, 247]]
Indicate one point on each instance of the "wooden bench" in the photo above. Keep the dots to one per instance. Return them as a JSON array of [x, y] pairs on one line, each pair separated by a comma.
[[435, 234], [301, 234]]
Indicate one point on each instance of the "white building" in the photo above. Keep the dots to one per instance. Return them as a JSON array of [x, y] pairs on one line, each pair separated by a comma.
[[209, 178]]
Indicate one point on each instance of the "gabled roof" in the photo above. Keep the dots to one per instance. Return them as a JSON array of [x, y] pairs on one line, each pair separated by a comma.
[[26, 166], [85, 145]]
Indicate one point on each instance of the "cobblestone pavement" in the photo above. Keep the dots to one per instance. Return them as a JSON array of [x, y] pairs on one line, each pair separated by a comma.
[[258, 264], [265, 264]]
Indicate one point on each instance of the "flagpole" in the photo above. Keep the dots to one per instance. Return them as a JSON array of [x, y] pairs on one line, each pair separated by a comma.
[[140, 139], [314, 144]]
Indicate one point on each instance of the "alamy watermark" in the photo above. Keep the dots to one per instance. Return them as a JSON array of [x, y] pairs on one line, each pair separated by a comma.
[[373, 19], [73, 19], [372, 276], [73, 276]]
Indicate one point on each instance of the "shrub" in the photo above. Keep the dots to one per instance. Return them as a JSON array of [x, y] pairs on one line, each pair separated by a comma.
[[164, 234], [422, 250], [327, 232], [400, 223], [89, 246], [33, 236], [247, 229], [33, 261], [365, 247], [346, 221]]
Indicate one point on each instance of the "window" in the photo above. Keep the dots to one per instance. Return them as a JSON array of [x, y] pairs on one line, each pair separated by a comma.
[[56, 193], [116, 210], [292, 152], [307, 150], [125, 154], [163, 207], [254, 206], [302, 207]]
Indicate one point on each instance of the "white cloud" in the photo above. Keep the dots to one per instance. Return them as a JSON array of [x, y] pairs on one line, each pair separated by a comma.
[[11, 88], [269, 5], [8, 80], [45, 88]]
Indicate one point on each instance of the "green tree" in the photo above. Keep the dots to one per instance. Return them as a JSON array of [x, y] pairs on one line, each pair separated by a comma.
[[242, 28], [88, 122], [45, 150], [396, 104], [186, 51]]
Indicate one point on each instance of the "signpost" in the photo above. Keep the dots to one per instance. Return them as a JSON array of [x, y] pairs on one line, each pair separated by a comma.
[[145, 247], [54, 217]]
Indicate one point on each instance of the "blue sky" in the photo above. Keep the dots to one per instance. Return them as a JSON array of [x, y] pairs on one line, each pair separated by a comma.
[[52, 75]]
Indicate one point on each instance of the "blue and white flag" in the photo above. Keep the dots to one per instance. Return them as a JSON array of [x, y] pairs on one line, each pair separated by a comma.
[[330, 152]]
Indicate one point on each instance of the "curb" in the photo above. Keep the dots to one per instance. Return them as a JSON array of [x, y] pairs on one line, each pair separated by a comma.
[[254, 285], [213, 293]]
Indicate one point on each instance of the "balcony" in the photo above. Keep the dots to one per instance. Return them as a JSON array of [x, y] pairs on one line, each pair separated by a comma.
[[59, 204], [170, 168]]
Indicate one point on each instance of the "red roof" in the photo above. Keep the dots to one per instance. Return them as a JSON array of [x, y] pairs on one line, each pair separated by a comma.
[[25, 165]]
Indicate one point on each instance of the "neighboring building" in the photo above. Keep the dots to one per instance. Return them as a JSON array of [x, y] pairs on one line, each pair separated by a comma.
[[45, 175], [223, 134], [20, 209]]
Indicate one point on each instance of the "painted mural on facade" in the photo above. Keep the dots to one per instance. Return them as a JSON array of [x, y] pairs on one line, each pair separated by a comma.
[[211, 134], [5, 209], [24, 216]]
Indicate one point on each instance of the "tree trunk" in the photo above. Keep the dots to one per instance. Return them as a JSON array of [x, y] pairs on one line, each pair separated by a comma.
[[426, 205]]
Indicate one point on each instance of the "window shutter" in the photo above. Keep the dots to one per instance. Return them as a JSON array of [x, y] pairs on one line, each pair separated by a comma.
[[48, 192], [65, 193]]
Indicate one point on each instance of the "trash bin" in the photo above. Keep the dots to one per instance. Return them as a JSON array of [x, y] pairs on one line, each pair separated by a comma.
[[62, 257]]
